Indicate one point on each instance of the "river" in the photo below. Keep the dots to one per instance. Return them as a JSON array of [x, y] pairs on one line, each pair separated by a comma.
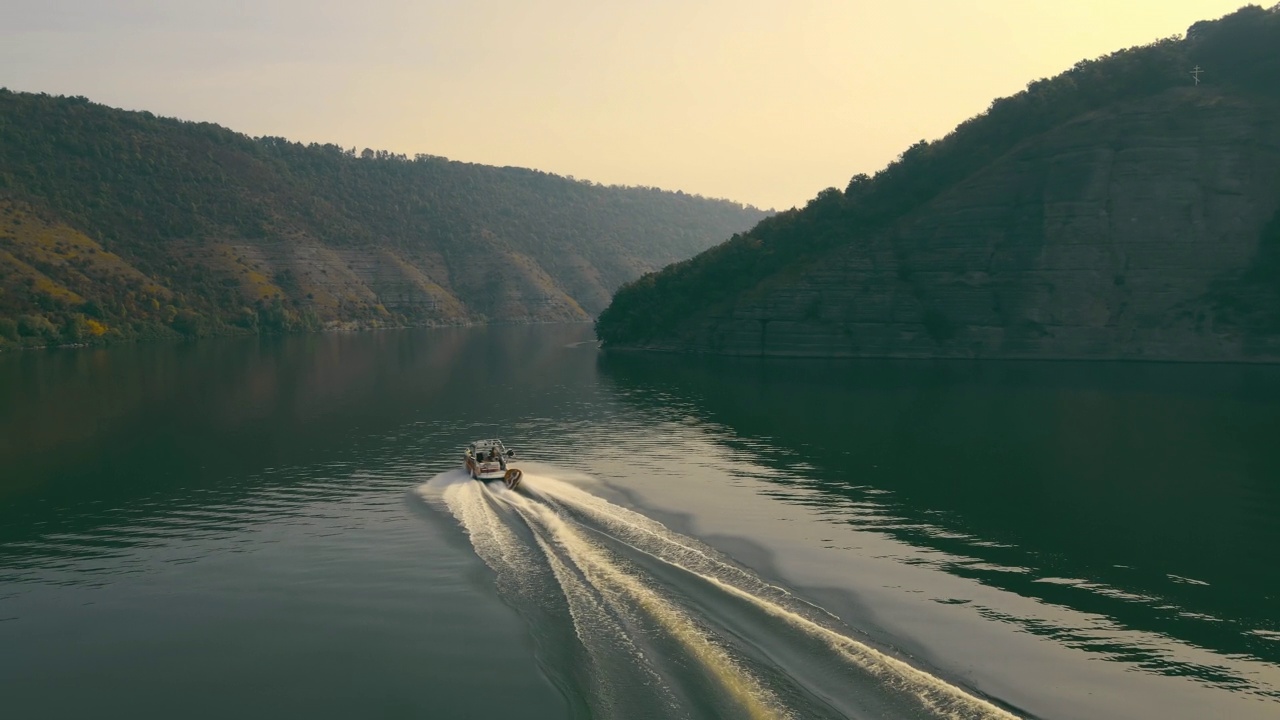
[[281, 527]]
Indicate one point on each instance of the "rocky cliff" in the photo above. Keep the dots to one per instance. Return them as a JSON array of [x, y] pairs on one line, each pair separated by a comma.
[[1141, 228], [1105, 238]]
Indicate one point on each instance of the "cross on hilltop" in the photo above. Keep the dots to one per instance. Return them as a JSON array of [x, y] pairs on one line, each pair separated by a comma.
[[1195, 73]]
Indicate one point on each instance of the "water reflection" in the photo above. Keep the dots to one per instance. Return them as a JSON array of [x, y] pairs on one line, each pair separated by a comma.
[[1142, 495], [1135, 503], [108, 450], [192, 530]]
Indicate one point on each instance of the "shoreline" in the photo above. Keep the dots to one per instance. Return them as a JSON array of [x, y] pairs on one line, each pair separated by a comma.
[[333, 328]]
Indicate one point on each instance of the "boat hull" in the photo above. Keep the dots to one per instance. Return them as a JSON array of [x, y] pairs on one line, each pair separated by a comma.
[[485, 471]]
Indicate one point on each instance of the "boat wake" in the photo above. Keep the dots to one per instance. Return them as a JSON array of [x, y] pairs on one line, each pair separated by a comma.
[[634, 620]]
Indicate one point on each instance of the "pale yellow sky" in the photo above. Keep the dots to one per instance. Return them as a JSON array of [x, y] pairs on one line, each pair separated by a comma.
[[760, 102]]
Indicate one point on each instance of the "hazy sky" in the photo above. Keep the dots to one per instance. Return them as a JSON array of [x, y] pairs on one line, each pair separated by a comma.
[[761, 102]]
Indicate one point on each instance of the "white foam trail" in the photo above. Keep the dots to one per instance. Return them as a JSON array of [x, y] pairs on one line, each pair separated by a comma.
[[935, 694], [510, 559], [634, 528], [591, 622], [600, 588], [492, 539], [602, 572]]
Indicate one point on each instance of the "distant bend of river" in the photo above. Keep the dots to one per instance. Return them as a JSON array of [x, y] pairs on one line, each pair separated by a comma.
[[282, 526]]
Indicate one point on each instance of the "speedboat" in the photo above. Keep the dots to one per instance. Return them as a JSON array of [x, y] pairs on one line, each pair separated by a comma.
[[491, 460]]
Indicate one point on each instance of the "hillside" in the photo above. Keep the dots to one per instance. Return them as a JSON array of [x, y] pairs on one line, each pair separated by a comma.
[[1118, 210], [119, 224]]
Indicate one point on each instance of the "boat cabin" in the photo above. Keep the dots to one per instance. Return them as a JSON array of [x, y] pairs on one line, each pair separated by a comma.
[[488, 450]]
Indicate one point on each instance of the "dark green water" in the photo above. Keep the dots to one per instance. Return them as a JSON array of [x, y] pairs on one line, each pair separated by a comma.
[[279, 526]]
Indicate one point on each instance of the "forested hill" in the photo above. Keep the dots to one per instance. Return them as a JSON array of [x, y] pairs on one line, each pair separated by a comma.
[[1118, 210], [123, 224]]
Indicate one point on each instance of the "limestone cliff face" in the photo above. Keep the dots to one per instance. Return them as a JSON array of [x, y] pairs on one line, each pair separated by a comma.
[[1103, 238]]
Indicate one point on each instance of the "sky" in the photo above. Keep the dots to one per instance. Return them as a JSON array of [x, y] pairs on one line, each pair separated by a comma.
[[760, 102]]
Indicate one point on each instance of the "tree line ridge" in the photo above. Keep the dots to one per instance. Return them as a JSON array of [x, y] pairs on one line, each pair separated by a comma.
[[156, 227]]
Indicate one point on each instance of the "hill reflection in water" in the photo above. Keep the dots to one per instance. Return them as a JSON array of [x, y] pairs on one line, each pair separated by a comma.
[[86, 435], [1143, 493]]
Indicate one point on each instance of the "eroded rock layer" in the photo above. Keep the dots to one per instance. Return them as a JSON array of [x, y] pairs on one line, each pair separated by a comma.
[[1131, 232]]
